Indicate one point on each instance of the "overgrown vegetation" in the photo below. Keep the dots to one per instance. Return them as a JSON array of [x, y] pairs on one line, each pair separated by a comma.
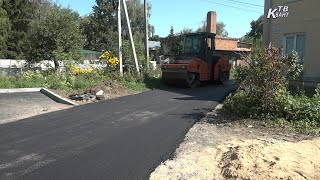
[[264, 91], [79, 81]]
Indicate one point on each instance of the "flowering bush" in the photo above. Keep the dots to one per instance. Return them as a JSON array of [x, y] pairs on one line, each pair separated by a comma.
[[110, 58], [113, 61], [106, 55], [76, 70]]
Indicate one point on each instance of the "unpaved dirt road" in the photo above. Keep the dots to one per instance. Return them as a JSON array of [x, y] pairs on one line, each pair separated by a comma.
[[124, 138], [216, 148]]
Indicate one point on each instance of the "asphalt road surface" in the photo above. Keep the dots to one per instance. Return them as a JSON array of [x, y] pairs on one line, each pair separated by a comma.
[[124, 138]]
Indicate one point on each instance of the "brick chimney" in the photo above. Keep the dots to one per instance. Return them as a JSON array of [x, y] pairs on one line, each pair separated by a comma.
[[212, 22]]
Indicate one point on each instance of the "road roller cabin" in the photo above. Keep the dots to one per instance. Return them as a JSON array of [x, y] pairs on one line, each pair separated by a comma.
[[197, 63]]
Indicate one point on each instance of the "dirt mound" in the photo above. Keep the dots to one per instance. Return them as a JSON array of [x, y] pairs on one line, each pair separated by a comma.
[[109, 89], [211, 151], [254, 159]]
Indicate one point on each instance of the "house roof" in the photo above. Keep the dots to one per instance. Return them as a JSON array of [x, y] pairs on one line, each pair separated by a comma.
[[85, 51], [154, 44], [227, 38]]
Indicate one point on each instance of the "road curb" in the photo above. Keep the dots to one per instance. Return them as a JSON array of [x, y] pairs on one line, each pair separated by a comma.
[[19, 90], [56, 97], [44, 91]]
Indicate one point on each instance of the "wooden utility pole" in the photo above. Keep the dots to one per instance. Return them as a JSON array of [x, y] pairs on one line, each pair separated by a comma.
[[146, 32], [120, 39], [131, 38]]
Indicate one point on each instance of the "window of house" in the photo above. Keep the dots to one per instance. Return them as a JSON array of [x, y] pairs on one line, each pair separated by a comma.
[[295, 42]]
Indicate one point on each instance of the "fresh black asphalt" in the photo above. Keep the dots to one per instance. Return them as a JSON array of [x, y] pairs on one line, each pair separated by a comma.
[[124, 138]]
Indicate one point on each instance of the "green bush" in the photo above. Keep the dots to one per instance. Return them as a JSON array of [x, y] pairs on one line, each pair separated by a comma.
[[301, 108], [263, 91], [295, 72], [264, 79], [240, 103]]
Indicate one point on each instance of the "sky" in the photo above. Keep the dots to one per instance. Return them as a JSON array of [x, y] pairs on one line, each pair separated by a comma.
[[236, 14]]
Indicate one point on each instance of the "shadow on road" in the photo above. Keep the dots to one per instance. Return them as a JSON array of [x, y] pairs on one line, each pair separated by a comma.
[[195, 114], [209, 92]]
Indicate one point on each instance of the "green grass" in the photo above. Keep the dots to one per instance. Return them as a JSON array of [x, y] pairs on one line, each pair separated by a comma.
[[136, 86], [66, 82], [298, 126], [70, 83], [148, 82]]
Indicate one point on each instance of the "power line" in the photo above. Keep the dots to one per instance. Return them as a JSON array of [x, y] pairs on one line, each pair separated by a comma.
[[221, 4], [236, 7], [245, 3]]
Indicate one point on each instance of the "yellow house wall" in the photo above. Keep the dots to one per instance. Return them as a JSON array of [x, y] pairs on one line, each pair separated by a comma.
[[304, 17]]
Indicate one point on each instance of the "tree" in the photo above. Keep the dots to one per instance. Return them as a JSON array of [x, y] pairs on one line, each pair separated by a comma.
[[127, 52], [174, 41], [136, 15], [4, 31], [151, 31], [254, 37], [56, 36], [171, 31], [20, 13], [155, 38], [101, 32], [221, 28], [256, 28], [257, 45], [40, 8], [100, 27]]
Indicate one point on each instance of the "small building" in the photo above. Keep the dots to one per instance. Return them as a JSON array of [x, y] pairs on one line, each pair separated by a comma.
[[294, 25], [154, 45], [154, 49], [89, 55], [232, 48]]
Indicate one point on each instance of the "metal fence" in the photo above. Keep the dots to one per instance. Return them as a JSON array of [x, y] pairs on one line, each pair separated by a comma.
[[16, 71], [10, 71]]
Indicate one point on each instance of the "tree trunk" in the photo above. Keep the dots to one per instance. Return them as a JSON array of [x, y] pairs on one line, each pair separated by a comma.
[[56, 64]]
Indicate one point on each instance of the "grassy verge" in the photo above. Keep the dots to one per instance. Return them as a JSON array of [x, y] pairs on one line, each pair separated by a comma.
[[282, 125], [67, 82], [64, 81]]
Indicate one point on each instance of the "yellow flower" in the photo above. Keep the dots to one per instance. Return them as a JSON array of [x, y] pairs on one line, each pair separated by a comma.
[[107, 55], [113, 61], [77, 70]]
